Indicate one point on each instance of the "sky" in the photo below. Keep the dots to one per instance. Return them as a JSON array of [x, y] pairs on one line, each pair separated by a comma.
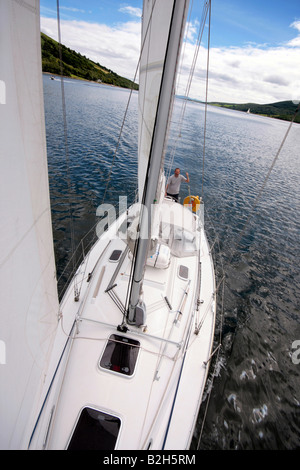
[[254, 53]]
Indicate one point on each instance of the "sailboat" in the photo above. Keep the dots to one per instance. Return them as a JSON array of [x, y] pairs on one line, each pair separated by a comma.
[[122, 362]]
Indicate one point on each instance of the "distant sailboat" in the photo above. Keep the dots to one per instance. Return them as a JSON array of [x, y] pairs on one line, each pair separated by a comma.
[[248, 112], [123, 365]]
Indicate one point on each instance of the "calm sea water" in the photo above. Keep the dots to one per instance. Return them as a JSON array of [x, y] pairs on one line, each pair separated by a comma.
[[253, 393]]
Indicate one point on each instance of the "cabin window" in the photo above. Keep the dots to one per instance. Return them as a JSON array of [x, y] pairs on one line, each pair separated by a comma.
[[115, 256], [95, 430], [120, 355]]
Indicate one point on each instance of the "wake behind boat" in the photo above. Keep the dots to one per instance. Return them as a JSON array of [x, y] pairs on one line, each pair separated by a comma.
[[122, 361]]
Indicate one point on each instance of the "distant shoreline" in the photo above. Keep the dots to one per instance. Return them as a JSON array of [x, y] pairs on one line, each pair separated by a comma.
[[282, 110], [85, 80]]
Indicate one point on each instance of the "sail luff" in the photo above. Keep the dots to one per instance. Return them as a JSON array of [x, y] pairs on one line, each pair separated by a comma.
[[154, 38], [165, 98], [29, 301]]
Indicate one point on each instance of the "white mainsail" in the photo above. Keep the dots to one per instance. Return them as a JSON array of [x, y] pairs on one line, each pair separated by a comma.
[[29, 301], [155, 33]]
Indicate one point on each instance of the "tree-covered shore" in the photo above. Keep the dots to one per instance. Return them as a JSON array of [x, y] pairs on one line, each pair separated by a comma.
[[75, 65]]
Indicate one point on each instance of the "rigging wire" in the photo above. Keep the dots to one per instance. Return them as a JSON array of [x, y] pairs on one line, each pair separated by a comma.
[[259, 195], [114, 158], [184, 44], [208, 5], [206, 9], [135, 247], [127, 107], [206, 96], [67, 154], [73, 249], [257, 199]]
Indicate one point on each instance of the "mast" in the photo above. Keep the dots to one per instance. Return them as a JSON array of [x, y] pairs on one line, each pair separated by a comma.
[[137, 310]]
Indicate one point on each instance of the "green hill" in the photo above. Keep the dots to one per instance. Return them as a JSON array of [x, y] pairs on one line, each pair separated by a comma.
[[76, 65], [282, 110]]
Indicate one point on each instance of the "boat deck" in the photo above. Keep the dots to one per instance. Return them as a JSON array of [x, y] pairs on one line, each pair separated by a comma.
[[157, 398]]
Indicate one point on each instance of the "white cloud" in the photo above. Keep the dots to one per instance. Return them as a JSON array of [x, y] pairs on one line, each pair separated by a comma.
[[237, 74], [74, 10], [132, 11], [253, 73], [260, 75], [296, 41]]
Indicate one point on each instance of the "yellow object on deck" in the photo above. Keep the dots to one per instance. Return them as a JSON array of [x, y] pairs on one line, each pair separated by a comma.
[[193, 201]]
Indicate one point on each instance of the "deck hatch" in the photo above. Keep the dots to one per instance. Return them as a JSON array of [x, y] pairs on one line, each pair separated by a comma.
[[183, 272], [115, 255], [95, 430], [120, 355]]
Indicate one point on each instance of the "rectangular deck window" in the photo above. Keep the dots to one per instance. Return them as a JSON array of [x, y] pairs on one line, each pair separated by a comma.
[[95, 430], [120, 355]]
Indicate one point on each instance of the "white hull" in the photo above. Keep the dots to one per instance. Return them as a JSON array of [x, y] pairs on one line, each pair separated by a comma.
[[157, 405]]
